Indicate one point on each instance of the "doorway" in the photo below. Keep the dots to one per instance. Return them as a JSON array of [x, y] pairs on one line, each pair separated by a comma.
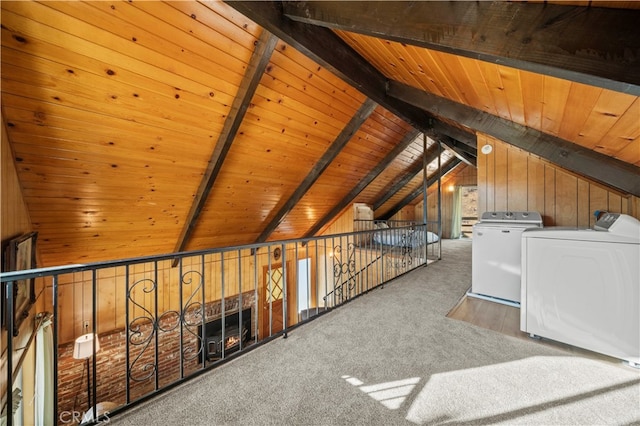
[[465, 211], [304, 284], [272, 299]]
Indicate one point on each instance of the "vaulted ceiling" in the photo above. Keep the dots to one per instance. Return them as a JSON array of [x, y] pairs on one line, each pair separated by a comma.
[[150, 127]]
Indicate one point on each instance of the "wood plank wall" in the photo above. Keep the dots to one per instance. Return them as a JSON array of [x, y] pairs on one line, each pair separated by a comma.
[[343, 223], [14, 218], [512, 179], [405, 213]]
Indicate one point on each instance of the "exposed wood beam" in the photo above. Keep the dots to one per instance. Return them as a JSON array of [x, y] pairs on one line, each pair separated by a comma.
[[462, 151], [454, 143], [467, 138], [366, 109], [591, 45], [444, 170], [348, 199], [432, 154], [257, 64], [326, 48], [573, 157]]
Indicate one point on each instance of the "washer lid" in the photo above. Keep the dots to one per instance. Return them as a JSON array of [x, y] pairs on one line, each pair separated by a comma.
[[577, 234]]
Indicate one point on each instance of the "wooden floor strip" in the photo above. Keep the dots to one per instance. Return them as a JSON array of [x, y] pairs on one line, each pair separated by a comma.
[[506, 320]]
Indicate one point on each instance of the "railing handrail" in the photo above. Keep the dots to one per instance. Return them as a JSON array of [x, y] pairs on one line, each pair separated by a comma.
[[66, 269]]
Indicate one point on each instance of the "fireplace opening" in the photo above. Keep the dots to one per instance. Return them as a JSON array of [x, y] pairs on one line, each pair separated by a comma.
[[235, 336]]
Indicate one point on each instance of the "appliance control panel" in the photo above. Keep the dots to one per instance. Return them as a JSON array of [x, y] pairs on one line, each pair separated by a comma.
[[605, 221], [619, 224], [512, 217]]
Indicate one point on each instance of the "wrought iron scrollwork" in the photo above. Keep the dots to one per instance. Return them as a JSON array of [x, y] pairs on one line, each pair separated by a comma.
[[409, 251], [141, 331], [192, 313], [406, 250], [344, 270]]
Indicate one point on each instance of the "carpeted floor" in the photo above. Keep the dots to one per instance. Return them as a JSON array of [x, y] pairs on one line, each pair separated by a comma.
[[392, 357]]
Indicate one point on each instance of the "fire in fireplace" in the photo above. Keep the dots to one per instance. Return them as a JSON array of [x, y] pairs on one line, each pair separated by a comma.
[[236, 335]]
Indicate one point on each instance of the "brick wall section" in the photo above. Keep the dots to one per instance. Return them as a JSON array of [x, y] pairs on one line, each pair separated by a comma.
[[111, 360]]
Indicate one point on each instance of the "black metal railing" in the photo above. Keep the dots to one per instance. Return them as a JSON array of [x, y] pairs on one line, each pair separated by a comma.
[[154, 322]]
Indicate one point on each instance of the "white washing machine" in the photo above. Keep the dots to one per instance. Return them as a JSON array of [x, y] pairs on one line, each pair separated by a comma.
[[495, 254], [582, 286]]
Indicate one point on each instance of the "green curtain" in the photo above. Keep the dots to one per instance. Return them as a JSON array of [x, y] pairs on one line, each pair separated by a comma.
[[456, 213]]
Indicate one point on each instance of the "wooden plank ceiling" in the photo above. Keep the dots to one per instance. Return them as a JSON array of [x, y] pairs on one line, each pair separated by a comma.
[[142, 128]]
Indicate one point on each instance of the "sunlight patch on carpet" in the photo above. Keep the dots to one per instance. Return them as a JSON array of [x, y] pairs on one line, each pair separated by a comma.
[[390, 394], [519, 391]]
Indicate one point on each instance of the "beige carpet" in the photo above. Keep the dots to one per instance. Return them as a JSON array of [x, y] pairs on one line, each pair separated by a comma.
[[392, 357]]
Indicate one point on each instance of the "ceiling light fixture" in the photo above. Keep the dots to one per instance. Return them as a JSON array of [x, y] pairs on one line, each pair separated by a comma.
[[486, 149]]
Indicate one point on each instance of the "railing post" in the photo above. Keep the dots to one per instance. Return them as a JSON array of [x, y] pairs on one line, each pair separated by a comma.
[[10, 325], [296, 268], [269, 289], [285, 301], [256, 300], [181, 319], [126, 336], [157, 326], [240, 304], [203, 314], [94, 371], [326, 274], [223, 305], [54, 286]]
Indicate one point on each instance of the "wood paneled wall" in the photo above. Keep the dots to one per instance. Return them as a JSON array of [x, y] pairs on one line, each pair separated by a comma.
[[342, 224], [512, 179], [405, 213], [14, 218]]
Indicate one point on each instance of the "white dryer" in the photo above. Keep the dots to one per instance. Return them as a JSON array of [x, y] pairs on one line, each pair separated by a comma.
[[582, 286]]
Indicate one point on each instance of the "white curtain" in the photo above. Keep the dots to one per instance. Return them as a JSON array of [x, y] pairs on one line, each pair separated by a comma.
[[456, 214], [44, 375]]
